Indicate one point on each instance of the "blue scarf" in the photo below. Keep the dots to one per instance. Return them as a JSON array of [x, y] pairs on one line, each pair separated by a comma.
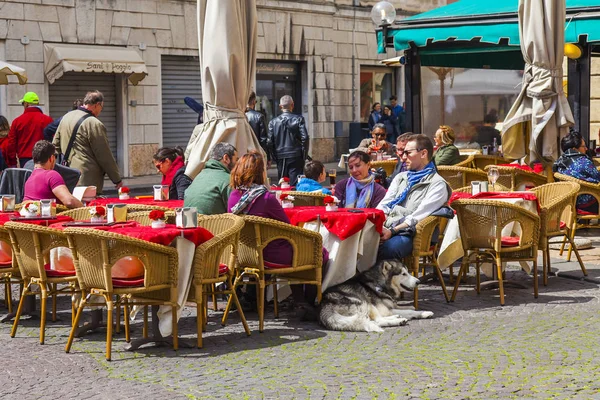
[[413, 178], [365, 186]]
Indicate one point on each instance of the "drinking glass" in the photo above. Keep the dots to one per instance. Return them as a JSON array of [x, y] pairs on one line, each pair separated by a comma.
[[332, 174], [493, 175]]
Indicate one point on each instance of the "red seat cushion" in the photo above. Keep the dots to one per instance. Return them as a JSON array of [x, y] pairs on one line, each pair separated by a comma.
[[562, 225], [223, 269], [583, 212], [6, 264], [275, 265], [131, 282], [510, 241], [53, 273]]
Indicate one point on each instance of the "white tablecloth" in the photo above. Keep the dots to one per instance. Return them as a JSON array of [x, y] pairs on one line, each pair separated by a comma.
[[451, 248]]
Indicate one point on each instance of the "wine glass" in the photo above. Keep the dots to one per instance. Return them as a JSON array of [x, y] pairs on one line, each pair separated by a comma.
[[493, 175]]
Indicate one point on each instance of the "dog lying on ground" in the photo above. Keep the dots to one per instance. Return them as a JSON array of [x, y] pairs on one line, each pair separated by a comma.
[[367, 302]]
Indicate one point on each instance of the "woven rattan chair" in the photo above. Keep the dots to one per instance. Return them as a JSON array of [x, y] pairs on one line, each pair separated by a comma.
[[94, 254], [466, 160], [516, 178], [458, 177], [31, 248], [83, 213], [143, 217], [425, 254], [387, 165], [556, 200], [214, 263], [307, 198], [306, 265], [467, 189], [582, 219], [480, 161], [481, 223], [9, 271]]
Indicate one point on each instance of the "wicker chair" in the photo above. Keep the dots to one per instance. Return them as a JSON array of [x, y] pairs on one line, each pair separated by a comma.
[[424, 254], [467, 189], [31, 247], [143, 217], [83, 213], [306, 265], [387, 165], [480, 161], [9, 271], [582, 220], [211, 266], [466, 160], [513, 177], [481, 223], [94, 254], [557, 199], [307, 198], [458, 177]]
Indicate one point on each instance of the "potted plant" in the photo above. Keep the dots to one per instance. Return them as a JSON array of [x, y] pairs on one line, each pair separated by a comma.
[[123, 193], [97, 213], [284, 182], [331, 203], [158, 218], [287, 201], [31, 210]]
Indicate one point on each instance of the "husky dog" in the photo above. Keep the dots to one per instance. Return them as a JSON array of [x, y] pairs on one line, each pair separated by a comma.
[[367, 302]]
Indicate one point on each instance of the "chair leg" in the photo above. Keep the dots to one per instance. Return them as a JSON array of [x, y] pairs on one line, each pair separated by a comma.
[[75, 323], [458, 277], [451, 270], [118, 314], [415, 272], [578, 257], [546, 264], [562, 246], [13, 331], [204, 309], [8, 294], [73, 306], [125, 319], [199, 314], [44, 299], [54, 296], [214, 297], [572, 243], [174, 330], [535, 279], [500, 283], [275, 299], [145, 327], [478, 277], [109, 328], [261, 305], [441, 278]]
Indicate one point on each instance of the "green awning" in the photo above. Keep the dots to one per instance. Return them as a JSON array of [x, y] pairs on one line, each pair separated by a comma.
[[470, 21]]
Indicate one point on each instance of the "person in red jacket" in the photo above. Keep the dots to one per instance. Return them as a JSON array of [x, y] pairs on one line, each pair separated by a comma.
[[26, 130]]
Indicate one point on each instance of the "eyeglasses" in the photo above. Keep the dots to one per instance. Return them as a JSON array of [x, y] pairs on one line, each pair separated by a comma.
[[158, 164]]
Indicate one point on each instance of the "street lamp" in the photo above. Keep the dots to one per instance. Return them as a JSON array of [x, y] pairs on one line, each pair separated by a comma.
[[383, 15]]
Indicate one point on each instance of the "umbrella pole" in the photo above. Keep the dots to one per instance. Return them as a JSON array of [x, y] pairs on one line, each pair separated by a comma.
[[442, 73]]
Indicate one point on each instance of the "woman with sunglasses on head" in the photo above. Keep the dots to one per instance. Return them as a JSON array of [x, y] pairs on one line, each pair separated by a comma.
[[359, 190], [377, 142], [169, 162], [446, 153]]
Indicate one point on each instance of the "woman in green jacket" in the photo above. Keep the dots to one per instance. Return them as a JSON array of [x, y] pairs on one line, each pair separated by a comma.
[[447, 153]]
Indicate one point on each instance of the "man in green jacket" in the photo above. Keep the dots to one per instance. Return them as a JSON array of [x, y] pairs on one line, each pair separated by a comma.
[[90, 152], [209, 192]]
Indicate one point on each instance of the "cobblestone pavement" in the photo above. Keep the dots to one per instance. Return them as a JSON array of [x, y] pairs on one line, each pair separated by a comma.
[[471, 349]]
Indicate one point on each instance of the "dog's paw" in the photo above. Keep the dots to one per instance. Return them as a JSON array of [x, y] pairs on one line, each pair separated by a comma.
[[401, 320], [426, 314], [373, 327]]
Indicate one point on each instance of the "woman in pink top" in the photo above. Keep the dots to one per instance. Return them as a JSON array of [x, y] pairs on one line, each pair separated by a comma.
[[44, 182]]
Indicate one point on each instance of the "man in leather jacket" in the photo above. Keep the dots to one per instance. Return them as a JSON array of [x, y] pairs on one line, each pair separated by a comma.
[[288, 141], [257, 122]]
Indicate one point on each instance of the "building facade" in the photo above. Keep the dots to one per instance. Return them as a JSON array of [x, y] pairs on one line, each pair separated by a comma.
[[323, 53]]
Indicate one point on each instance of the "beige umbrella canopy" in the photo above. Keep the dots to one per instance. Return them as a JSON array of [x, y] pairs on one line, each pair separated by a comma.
[[541, 115], [7, 69], [227, 32]]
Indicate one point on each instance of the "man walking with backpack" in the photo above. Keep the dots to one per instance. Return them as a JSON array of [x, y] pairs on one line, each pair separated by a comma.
[[81, 138]]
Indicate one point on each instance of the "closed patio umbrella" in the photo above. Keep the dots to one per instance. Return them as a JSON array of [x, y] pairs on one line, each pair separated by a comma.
[[227, 35], [7, 69], [541, 115]]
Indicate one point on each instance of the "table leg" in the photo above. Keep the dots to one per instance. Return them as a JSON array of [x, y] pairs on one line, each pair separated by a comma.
[[28, 309], [90, 326], [156, 337]]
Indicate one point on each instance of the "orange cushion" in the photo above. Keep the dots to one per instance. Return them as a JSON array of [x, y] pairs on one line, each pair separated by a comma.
[[5, 253], [223, 269], [127, 267], [123, 283], [54, 273], [510, 241]]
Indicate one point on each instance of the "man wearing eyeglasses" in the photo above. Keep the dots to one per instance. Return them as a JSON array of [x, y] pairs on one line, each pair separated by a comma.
[[413, 195], [89, 151], [377, 142]]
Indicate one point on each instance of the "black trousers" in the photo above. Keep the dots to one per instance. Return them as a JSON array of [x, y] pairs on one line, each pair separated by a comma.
[[291, 168]]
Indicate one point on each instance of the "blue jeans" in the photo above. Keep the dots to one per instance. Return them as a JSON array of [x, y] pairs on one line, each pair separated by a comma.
[[395, 248]]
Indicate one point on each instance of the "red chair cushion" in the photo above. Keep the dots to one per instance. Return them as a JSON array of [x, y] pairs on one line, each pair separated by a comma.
[[223, 269], [510, 241], [275, 265], [6, 264], [562, 225], [131, 282], [54, 273], [583, 212]]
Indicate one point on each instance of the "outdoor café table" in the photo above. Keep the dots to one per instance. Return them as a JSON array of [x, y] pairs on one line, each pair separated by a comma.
[[451, 247], [185, 240], [147, 202], [351, 238]]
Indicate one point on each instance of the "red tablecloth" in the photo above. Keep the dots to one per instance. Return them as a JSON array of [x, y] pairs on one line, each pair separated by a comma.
[[147, 202], [342, 223], [5, 217], [537, 168], [164, 236]]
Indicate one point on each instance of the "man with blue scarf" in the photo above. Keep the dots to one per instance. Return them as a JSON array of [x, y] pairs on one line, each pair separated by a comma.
[[413, 195]]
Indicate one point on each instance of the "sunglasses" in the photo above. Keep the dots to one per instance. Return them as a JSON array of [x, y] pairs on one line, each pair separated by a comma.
[[158, 164], [407, 153]]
